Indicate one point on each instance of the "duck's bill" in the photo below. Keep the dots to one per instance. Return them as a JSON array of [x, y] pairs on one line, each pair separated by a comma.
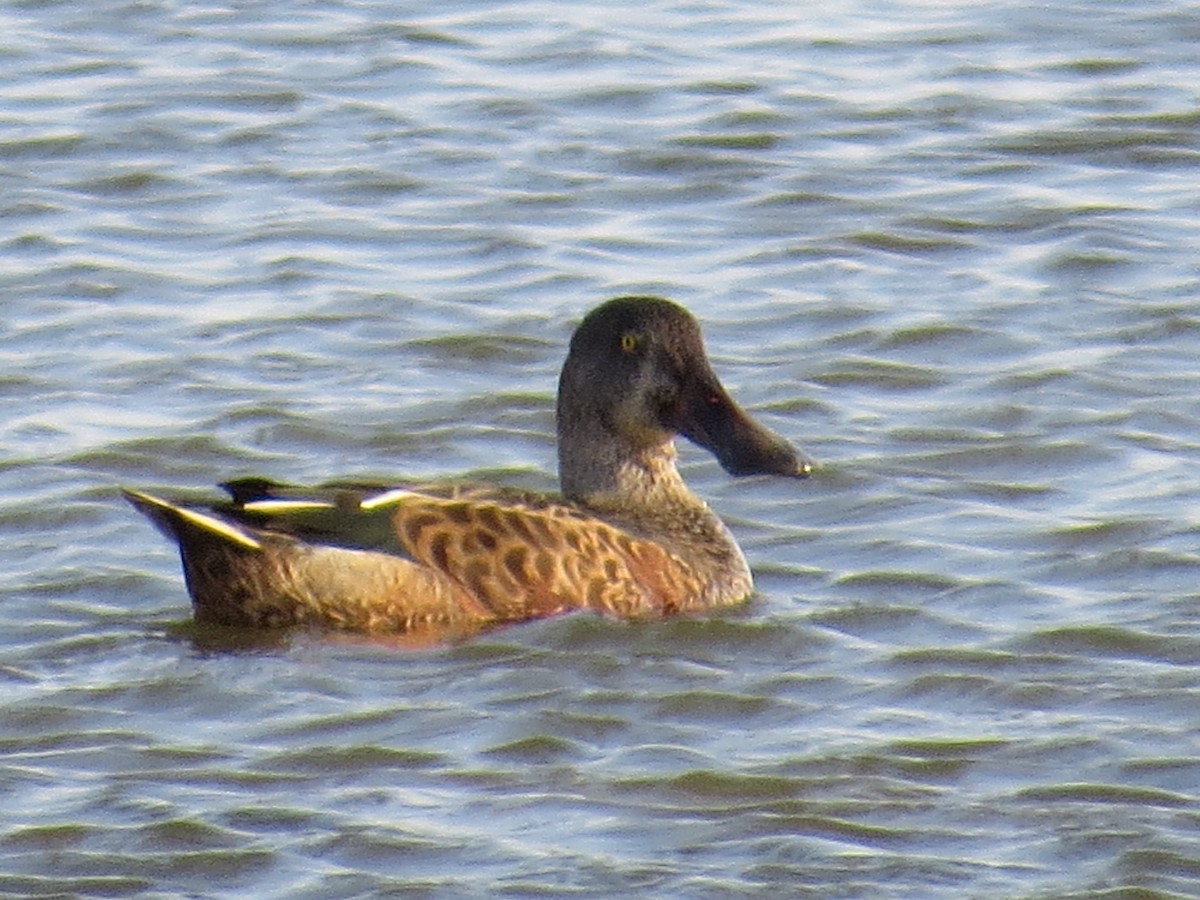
[[714, 421]]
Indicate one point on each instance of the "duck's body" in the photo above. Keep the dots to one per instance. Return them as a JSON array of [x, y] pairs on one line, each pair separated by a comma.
[[627, 537], [439, 557]]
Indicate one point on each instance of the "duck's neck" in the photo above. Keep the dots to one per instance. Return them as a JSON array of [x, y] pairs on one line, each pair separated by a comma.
[[601, 472], [644, 494]]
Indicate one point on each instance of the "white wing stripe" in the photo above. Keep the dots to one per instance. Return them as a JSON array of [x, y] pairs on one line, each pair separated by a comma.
[[386, 498], [285, 506], [219, 526]]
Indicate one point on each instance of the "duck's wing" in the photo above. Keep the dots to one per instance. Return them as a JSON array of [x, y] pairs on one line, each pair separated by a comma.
[[520, 554], [359, 515]]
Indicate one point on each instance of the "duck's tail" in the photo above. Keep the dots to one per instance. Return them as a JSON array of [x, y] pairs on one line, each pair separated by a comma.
[[179, 523]]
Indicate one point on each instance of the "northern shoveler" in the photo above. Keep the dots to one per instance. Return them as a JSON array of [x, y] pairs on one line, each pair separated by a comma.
[[626, 537]]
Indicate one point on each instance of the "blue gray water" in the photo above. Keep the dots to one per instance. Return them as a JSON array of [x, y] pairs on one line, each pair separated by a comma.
[[950, 250]]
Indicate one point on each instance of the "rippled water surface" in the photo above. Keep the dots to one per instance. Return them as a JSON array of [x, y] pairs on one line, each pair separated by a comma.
[[950, 250]]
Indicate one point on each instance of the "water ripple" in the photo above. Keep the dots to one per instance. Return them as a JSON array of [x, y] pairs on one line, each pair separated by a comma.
[[311, 243]]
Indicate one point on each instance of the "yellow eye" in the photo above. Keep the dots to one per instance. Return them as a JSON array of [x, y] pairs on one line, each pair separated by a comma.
[[629, 342]]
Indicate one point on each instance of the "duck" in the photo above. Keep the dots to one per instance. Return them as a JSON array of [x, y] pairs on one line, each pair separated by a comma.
[[625, 537]]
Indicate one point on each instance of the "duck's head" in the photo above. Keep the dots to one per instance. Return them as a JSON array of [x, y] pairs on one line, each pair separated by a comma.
[[635, 377]]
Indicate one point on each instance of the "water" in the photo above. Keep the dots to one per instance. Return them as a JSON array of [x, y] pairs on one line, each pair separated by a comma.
[[950, 250]]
